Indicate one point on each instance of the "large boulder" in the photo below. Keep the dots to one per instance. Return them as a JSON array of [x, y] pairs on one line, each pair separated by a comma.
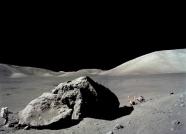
[[44, 111], [72, 100]]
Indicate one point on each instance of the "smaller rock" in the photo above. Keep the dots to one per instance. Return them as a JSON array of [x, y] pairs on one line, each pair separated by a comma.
[[171, 93], [118, 126], [177, 124], [4, 114], [110, 132], [140, 99], [26, 128], [132, 103], [131, 100]]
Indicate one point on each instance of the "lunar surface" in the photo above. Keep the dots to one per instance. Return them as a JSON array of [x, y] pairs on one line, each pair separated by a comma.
[[160, 77]]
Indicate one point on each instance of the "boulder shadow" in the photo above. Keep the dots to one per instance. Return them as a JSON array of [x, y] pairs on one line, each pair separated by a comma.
[[104, 115], [112, 115], [59, 125]]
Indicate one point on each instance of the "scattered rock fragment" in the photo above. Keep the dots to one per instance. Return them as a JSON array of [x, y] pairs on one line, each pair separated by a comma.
[[176, 124], [110, 132], [118, 126], [140, 99], [133, 100], [172, 91], [26, 128]]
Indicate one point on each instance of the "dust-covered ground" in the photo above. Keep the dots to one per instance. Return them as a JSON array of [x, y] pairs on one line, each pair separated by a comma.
[[162, 113]]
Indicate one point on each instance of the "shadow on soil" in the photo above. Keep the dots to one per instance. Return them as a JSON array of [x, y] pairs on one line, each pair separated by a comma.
[[122, 111], [60, 125]]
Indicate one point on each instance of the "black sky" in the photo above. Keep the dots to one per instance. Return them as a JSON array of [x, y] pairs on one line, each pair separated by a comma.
[[75, 41]]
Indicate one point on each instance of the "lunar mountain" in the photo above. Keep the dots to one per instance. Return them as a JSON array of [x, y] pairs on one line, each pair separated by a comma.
[[159, 62]]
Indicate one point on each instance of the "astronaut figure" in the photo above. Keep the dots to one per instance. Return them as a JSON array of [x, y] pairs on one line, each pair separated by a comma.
[[4, 114]]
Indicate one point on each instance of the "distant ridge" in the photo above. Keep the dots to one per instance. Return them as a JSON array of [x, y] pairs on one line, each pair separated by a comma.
[[13, 71], [81, 72], [18, 71], [159, 62]]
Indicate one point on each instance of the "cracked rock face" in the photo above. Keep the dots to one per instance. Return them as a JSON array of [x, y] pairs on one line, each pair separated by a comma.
[[72, 100]]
